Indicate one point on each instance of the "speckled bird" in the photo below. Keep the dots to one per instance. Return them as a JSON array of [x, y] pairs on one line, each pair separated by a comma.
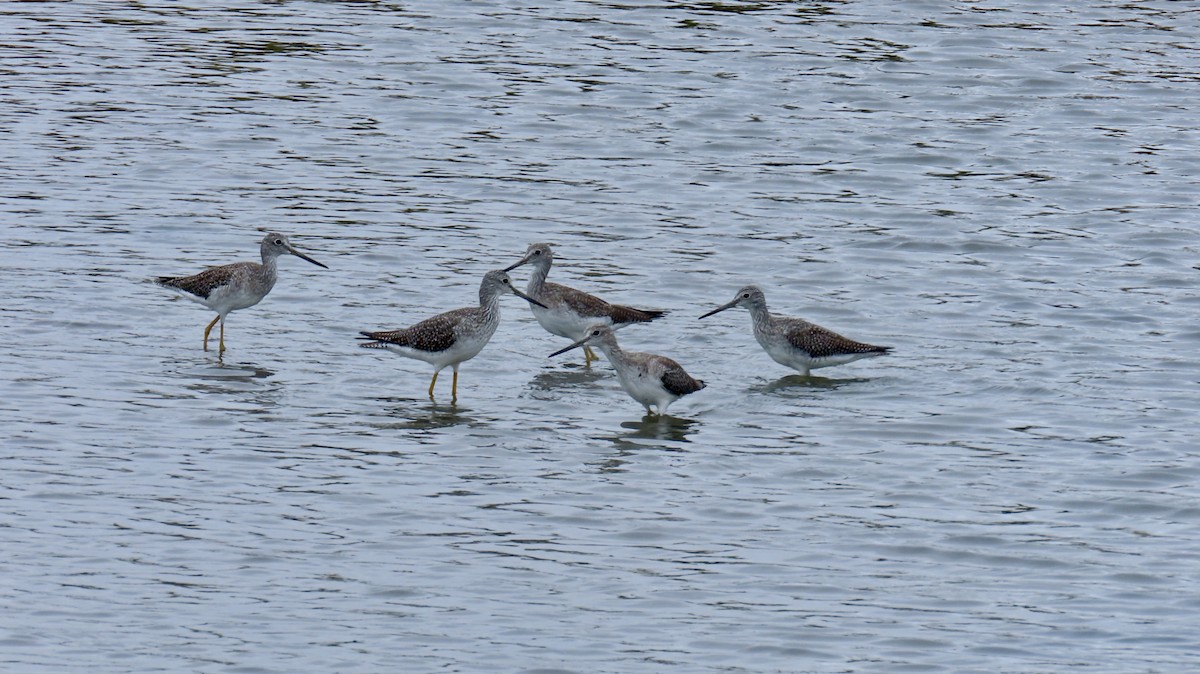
[[234, 286], [453, 337], [794, 342], [646, 377], [568, 312]]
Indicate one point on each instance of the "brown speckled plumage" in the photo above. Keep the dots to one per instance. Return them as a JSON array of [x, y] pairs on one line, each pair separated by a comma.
[[234, 286], [569, 312], [819, 342], [450, 338], [201, 285], [591, 306], [795, 342], [648, 378], [432, 334], [676, 380]]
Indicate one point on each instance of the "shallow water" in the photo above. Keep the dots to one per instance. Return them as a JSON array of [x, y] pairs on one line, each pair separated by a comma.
[[1004, 193]]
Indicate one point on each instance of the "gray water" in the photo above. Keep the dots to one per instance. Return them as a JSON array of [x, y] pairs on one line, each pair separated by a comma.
[[1004, 192]]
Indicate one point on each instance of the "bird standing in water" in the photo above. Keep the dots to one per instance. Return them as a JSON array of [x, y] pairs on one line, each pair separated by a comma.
[[795, 342], [647, 378], [234, 286], [452, 337], [568, 312]]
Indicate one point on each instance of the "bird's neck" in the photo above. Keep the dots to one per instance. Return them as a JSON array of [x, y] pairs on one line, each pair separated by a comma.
[[612, 352], [489, 303], [541, 269], [270, 263], [760, 316]]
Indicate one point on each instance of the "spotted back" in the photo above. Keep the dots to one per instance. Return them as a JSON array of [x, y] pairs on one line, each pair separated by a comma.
[[676, 380], [432, 334], [203, 284], [819, 342], [591, 306]]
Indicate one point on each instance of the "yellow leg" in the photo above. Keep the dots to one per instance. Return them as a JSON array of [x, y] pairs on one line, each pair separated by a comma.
[[589, 355], [222, 337], [454, 387], [209, 329], [435, 374]]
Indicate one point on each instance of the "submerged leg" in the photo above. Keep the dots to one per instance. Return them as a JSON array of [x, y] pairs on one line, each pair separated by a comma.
[[222, 336], [209, 329], [435, 374]]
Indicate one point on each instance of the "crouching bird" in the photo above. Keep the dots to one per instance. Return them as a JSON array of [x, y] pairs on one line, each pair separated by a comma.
[[646, 377]]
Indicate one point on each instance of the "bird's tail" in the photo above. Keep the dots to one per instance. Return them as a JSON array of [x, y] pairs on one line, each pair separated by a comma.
[[370, 340]]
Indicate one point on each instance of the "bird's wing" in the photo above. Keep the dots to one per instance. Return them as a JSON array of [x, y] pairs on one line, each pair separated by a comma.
[[675, 380], [203, 284], [586, 304], [820, 342], [431, 334]]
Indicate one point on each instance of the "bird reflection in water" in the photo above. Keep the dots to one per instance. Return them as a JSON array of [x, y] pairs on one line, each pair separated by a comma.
[[651, 428], [645, 435], [660, 427], [556, 380], [421, 415], [799, 381], [246, 383]]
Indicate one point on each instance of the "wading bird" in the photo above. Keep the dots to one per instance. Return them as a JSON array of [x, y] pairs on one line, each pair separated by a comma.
[[234, 286]]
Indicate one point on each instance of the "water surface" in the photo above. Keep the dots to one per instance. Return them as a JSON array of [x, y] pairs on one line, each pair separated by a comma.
[[1004, 193]]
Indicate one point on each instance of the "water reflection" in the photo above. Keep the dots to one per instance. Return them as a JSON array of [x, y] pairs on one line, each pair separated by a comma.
[[799, 381], [422, 414], [421, 138], [565, 379], [666, 427], [246, 382]]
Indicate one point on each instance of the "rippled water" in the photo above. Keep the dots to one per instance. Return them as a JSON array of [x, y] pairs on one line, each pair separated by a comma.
[[1004, 192]]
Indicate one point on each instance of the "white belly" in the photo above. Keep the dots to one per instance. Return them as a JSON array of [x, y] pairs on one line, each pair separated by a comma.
[[644, 388], [229, 298], [464, 348], [786, 355], [561, 321]]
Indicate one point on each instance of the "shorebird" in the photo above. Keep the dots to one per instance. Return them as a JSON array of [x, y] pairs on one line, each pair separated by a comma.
[[647, 378], [234, 286], [568, 312], [794, 342], [452, 337]]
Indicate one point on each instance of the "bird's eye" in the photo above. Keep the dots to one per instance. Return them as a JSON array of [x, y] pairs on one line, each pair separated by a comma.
[[537, 252], [278, 242], [595, 333], [505, 281], [745, 296]]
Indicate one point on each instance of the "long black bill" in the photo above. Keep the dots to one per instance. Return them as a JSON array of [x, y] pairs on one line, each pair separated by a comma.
[[527, 298], [576, 345], [516, 264], [302, 256], [719, 309]]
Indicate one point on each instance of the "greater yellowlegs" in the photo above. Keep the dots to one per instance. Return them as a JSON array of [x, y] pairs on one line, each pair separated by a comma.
[[568, 312], [647, 378], [453, 337], [234, 286], [794, 342]]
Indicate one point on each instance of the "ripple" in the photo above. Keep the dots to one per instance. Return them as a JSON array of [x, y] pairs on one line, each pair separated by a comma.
[[1001, 192]]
